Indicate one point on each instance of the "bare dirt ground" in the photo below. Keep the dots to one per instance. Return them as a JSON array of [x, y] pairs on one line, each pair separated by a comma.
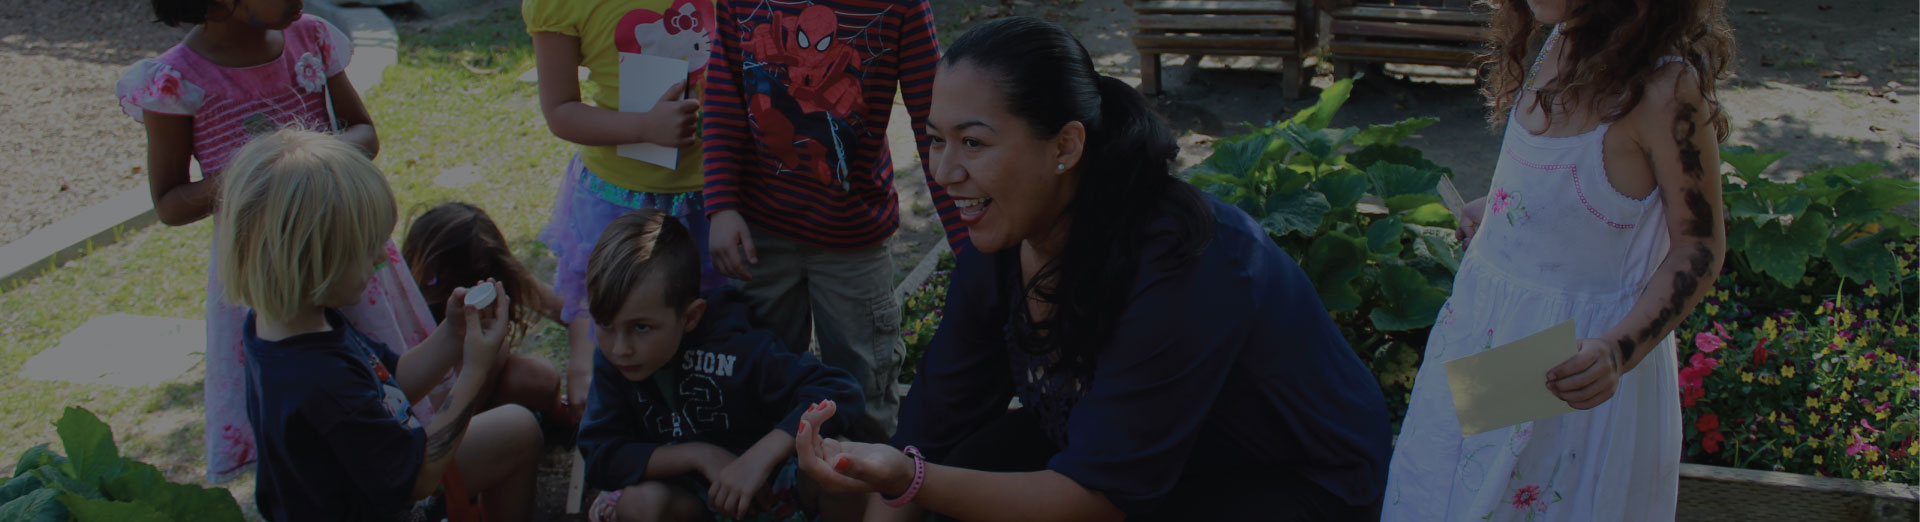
[[64, 141]]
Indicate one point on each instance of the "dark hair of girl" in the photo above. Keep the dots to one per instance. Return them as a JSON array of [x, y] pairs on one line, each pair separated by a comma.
[[456, 244], [175, 13], [1125, 177]]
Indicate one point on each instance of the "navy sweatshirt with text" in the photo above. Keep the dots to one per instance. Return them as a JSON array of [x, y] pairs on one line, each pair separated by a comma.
[[734, 385]]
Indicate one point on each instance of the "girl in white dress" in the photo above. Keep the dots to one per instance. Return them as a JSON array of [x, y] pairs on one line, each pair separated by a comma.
[[1605, 209]]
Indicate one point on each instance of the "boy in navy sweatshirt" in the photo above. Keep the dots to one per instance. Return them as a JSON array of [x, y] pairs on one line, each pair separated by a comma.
[[691, 411]]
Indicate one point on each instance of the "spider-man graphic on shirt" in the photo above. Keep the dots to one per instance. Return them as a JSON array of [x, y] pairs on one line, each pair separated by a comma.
[[804, 88]]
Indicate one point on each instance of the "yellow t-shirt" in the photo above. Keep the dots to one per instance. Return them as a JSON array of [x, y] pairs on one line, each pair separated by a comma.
[[681, 29]]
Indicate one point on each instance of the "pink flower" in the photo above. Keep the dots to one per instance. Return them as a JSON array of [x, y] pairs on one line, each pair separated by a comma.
[[1722, 330], [1500, 199], [1707, 342], [165, 86], [309, 73], [1860, 445], [1702, 361], [1526, 497]]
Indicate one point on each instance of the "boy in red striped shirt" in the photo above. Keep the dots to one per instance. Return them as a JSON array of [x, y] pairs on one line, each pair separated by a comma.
[[799, 181]]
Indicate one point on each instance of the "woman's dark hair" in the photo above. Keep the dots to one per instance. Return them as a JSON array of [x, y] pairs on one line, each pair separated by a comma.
[[1125, 178], [175, 13], [456, 244]]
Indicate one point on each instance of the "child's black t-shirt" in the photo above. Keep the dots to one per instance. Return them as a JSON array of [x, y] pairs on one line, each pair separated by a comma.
[[336, 438]]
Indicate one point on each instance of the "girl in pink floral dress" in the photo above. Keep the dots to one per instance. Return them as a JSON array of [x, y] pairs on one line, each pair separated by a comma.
[[245, 69]]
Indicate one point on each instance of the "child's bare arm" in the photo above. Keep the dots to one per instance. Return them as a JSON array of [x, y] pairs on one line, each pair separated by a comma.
[[1685, 154], [177, 199], [557, 57], [422, 367], [481, 345], [356, 123], [1673, 127], [740, 481]]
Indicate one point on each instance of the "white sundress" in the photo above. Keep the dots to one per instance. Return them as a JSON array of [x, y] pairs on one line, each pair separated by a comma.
[[1558, 242]]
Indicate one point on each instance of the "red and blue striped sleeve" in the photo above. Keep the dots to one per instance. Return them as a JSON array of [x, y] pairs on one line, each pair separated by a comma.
[[919, 57], [724, 132]]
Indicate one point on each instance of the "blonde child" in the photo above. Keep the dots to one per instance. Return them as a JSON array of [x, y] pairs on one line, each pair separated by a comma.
[[302, 214], [1605, 209], [599, 184], [245, 69]]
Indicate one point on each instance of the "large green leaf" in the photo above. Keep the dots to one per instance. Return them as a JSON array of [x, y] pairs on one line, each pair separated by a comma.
[[1863, 260], [35, 457], [1781, 252], [1748, 163], [1390, 134], [1441, 250], [1854, 207], [1299, 211], [1366, 157], [1236, 156], [1333, 262], [102, 510], [58, 480], [1431, 214], [1392, 179], [143, 484], [1344, 189], [19, 486], [89, 442], [1383, 236], [39, 506], [1321, 113], [1406, 202], [1317, 143], [1887, 193], [1407, 301]]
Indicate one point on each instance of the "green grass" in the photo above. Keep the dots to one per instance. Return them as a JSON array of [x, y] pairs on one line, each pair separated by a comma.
[[439, 108]]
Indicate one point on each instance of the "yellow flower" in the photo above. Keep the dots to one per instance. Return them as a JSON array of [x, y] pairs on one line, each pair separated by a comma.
[[1848, 384], [1834, 410], [1746, 377], [1771, 327], [1871, 291], [1789, 429], [1773, 416], [1813, 402], [1712, 309], [1873, 313], [1814, 418], [1807, 299], [1856, 473], [1900, 330], [1787, 371], [1722, 295], [1880, 471], [1871, 455], [1844, 395], [1819, 459], [1786, 452], [1881, 396]]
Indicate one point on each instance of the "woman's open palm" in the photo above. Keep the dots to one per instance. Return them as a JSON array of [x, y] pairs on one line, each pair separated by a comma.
[[849, 467]]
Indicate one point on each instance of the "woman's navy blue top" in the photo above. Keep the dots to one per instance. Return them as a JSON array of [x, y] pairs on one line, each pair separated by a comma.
[[1225, 366]]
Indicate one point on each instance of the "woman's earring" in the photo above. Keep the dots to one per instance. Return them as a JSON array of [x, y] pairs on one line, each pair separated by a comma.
[[1060, 167]]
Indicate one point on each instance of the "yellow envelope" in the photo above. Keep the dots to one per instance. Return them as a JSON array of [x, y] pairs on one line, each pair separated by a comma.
[[1505, 385]]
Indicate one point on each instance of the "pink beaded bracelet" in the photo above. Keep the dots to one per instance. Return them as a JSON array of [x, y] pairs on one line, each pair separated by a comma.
[[919, 474]]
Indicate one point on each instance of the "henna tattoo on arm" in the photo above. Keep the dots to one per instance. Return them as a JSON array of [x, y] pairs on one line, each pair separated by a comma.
[[1687, 281], [441, 442]]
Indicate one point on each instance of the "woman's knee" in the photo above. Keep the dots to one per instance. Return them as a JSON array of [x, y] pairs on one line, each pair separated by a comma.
[[529, 381], [517, 431]]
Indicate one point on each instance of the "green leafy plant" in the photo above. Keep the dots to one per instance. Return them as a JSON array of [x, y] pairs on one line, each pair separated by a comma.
[[1830, 224], [94, 483], [1361, 215]]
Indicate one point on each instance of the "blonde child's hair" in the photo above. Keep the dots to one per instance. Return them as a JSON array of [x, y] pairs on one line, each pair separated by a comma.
[[298, 211]]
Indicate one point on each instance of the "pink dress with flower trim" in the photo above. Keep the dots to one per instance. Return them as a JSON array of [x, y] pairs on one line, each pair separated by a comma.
[[229, 106], [1558, 242]]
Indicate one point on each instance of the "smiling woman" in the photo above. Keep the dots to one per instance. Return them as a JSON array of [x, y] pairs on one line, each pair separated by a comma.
[[1172, 363]]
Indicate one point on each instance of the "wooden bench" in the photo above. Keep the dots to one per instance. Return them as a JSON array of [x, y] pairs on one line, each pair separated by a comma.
[[1279, 28], [1428, 32]]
